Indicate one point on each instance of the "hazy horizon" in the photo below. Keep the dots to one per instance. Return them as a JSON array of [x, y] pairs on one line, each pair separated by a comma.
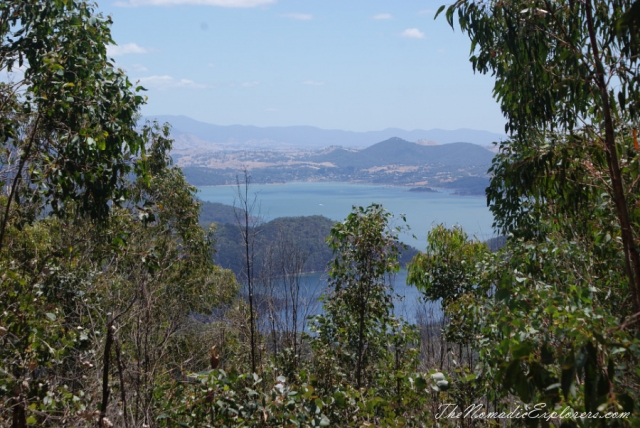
[[390, 128]]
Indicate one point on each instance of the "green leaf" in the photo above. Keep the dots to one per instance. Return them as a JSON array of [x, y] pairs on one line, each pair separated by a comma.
[[420, 383], [340, 399], [521, 350], [502, 294], [625, 401]]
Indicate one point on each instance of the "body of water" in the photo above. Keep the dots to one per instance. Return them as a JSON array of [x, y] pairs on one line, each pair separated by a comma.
[[407, 302], [334, 200]]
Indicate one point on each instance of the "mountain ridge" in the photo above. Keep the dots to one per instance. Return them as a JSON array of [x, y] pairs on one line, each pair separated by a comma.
[[308, 137], [401, 152]]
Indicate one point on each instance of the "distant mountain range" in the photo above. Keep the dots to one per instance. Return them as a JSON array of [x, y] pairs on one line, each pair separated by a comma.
[[190, 133]]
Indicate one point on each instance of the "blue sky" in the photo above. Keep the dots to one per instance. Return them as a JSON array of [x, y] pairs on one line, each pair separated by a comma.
[[359, 65]]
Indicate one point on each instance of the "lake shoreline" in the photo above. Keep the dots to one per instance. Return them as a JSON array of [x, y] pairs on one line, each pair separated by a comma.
[[441, 190]]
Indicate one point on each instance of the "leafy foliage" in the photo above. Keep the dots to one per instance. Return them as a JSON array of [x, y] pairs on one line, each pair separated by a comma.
[[70, 126], [116, 296], [358, 325], [553, 315], [445, 271], [219, 398], [565, 74]]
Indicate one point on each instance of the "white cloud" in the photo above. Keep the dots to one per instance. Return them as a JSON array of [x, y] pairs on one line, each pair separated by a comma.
[[218, 3], [168, 82], [427, 12], [381, 16], [312, 83], [249, 84], [129, 48], [298, 16], [413, 33], [271, 109]]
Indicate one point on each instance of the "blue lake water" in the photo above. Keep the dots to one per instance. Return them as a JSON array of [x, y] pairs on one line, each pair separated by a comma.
[[407, 302], [334, 200]]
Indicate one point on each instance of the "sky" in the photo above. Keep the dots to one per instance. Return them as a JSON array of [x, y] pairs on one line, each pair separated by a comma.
[[361, 65]]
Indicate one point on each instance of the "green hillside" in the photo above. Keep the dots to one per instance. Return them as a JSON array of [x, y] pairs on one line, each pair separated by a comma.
[[305, 234], [215, 212]]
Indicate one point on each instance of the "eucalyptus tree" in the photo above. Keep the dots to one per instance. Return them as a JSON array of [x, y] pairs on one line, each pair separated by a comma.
[[159, 280], [447, 267], [567, 67], [68, 139], [68, 116], [556, 311], [98, 318], [357, 324]]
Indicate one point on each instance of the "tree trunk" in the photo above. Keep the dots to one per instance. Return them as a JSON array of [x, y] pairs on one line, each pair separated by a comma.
[[105, 372], [19, 413], [16, 180], [631, 256]]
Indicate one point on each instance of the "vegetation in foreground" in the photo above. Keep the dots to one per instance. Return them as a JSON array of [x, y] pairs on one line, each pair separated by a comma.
[[112, 312]]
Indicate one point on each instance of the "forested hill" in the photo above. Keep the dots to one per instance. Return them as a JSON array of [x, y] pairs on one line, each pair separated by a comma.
[[400, 152], [306, 235], [215, 212]]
